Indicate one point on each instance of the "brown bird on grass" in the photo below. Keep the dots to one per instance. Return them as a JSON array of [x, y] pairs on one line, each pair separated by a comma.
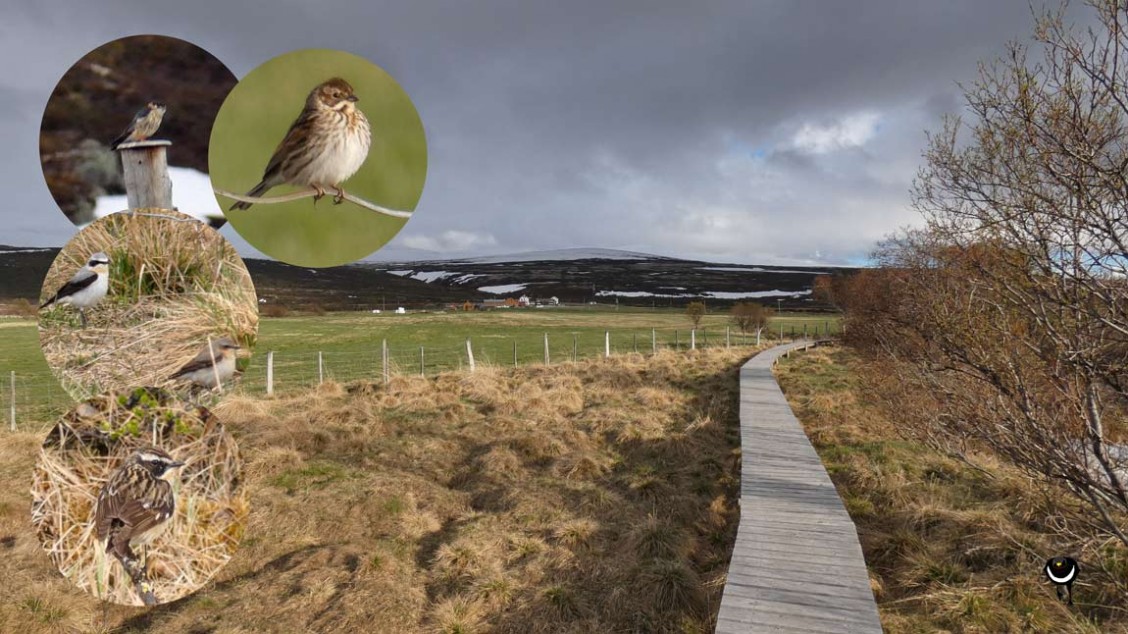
[[212, 366], [136, 503], [324, 147]]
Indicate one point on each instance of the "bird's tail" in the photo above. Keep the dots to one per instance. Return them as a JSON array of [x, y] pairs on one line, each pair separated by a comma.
[[257, 191], [118, 141], [48, 302]]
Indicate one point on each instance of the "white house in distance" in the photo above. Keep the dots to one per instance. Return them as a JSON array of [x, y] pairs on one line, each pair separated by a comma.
[[524, 300], [401, 311]]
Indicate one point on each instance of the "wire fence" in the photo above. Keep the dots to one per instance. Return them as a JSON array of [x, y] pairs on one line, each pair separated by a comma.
[[29, 400]]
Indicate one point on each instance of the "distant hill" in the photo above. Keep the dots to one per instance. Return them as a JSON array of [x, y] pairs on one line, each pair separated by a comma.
[[571, 275]]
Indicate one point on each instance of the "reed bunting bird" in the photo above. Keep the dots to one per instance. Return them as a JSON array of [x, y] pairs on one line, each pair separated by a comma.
[[143, 126], [134, 506], [1062, 572], [212, 367], [325, 145], [86, 288]]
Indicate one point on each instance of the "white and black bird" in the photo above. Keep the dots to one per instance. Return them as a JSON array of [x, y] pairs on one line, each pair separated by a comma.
[[1062, 572], [136, 503], [88, 286], [212, 367]]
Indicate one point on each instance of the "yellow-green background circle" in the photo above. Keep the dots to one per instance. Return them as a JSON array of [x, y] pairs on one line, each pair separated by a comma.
[[255, 118]]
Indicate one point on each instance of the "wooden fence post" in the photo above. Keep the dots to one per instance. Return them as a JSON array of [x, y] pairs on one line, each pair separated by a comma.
[[514, 353], [728, 340], [575, 348], [384, 360], [422, 364], [145, 174], [677, 343], [12, 403], [634, 341], [470, 354], [606, 343], [653, 341], [693, 339], [546, 359], [270, 373], [320, 369]]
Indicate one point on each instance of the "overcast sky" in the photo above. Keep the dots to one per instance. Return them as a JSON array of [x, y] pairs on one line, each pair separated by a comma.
[[758, 132]]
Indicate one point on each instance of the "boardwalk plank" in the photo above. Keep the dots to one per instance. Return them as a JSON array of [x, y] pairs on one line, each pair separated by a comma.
[[797, 566]]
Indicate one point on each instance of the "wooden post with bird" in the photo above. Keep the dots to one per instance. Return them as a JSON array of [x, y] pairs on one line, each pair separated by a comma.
[[145, 167]]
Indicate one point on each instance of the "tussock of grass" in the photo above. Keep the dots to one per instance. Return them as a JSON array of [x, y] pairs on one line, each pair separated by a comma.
[[950, 547], [504, 501], [173, 284], [77, 459]]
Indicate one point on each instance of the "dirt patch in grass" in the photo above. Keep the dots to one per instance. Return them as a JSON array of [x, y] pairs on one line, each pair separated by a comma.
[[951, 545], [590, 497]]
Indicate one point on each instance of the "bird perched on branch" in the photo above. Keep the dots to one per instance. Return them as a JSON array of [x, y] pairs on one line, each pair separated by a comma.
[[324, 147], [212, 367], [136, 503], [144, 124], [86, 288]]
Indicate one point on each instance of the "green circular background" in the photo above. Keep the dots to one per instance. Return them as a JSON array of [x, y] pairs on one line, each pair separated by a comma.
[[255, 118]]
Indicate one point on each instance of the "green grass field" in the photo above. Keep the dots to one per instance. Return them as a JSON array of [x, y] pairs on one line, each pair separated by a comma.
[[350, 344]]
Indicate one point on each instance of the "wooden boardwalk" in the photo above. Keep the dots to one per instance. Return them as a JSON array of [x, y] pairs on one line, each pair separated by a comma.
[[797, 565]]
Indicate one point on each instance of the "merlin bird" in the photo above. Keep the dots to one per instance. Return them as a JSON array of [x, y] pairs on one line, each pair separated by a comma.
[[134, 506], [86, 288], [1062, 572], [212, 367], [325, 145], [143, 126]]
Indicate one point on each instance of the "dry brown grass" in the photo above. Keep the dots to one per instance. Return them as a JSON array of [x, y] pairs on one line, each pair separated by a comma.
[[77, 459], [950, 546], [589, 497], [173, 284]]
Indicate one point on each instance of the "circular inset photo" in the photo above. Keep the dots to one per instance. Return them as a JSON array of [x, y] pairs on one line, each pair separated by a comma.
[[128, 91], [150, 297], [137, 497], [318, 158]]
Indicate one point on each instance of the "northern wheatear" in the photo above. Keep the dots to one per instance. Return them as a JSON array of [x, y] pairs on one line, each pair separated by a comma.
[[212, 367], [86, 288]]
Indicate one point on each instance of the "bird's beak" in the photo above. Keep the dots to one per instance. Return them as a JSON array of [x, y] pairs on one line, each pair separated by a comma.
[[173, 465], [353, 98]]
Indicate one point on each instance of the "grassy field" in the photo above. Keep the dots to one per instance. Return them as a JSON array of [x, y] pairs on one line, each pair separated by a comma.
[[598, 496], [950, 546], [350, 344]]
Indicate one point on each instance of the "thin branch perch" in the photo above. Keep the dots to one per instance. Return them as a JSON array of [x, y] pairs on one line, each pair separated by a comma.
[[309, 193]]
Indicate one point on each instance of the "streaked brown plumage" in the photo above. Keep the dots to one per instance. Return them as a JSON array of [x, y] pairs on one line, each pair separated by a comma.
[[325, 145], [136, 503], [144, 124]]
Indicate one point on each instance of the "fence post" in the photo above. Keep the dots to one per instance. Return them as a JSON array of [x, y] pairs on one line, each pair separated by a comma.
[[270, 373], [634, 341], [145, 174], [422, 365], [13, 401], [677, 343], [546, 360], [320, 369], [781, 331], [728, 341], [653, 342], [606, 343], [805, 331], [693, 339], [826, 328], [384, 360], [470, 354], [575, 349], [514, 353]]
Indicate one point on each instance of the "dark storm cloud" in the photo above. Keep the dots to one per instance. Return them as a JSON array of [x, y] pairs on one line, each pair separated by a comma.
[[751, 131]]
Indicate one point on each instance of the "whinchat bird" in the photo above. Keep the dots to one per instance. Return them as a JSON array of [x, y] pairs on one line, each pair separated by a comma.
[[86, 288], [143, 125], [324, 147], [136, 503], [212, 367]]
